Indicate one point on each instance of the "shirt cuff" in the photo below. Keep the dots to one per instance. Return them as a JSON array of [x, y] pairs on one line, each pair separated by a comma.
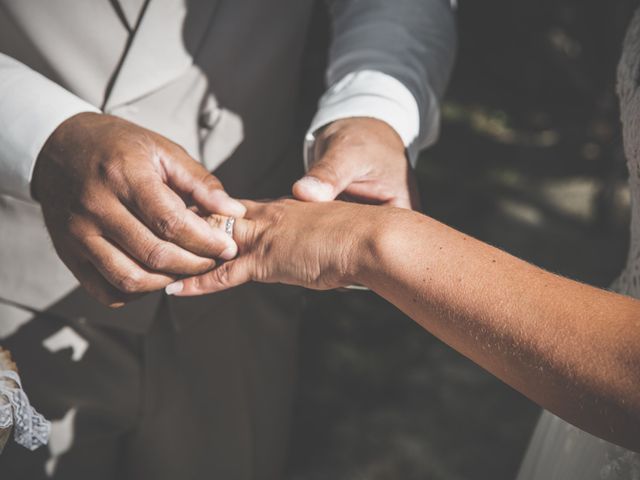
[[31, 108], [371, 94]]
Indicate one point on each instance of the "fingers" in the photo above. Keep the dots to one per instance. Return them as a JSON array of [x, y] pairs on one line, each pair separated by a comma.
[[408, 198], [137, 240], [253, 208], [99, 288], [327, 178], [228, 275], [164, 212], [191, 178], [401, 202], [243, 228], [90, 279], [376, 194], [120, 270]]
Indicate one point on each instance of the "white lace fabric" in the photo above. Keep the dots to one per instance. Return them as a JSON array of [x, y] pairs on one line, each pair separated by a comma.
[[31, 429], [629, 94], [623, 464]]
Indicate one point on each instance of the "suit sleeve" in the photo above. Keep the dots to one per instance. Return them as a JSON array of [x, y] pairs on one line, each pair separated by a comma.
[[390, 60], [31, 108]]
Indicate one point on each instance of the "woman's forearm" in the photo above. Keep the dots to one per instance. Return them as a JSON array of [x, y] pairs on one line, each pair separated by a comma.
[[571, 348]]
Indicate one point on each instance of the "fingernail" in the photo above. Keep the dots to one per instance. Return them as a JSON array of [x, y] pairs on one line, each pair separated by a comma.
[[173, 288], [316, 188], [229, 252]]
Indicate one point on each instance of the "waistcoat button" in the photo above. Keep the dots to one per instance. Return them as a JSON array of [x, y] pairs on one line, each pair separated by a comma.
[[209, 118]]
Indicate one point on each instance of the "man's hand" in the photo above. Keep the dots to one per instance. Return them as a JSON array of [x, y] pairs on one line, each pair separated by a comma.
[[119, 200], [360, 159]]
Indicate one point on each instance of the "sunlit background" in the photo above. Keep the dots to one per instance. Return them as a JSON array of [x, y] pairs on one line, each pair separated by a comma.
[[530, 159]]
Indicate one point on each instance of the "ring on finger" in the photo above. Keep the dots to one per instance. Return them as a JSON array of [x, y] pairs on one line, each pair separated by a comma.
[[228, 226]]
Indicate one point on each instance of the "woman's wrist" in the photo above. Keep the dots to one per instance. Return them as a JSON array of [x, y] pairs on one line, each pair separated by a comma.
[[377, 238]]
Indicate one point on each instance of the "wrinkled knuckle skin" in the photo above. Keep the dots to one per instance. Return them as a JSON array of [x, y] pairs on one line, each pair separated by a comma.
[[80, 201], [74, 227], [196, 283], [205, 283], [260, 272], [253, 234], [210, 182], [222, 276], [327, 167], [216, 221], [216, 279], [91, 204], [277, 215], [156, 257], [111, 171], [130, 283], [250, 237], [174, 150], [169, 225]]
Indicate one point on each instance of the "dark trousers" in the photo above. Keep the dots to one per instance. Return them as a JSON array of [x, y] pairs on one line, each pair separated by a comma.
[[210, 400]]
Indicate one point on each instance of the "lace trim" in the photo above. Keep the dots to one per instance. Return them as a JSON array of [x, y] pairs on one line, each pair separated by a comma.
[[31, 430], [623, 465]]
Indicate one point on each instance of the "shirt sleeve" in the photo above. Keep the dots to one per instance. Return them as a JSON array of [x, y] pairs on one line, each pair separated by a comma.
[[380, 50], [368, 94], [31, 108]]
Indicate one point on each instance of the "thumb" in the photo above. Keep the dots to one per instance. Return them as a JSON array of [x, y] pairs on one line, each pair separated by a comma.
[[227, 275], [326, 179]]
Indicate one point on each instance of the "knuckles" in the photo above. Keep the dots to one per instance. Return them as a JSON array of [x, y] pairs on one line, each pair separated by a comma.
[[90, 202], [156, 256], [221, 276], [130, 282], [210, 182], [111, 171], [75, 227], [217, 279], [169, 225]]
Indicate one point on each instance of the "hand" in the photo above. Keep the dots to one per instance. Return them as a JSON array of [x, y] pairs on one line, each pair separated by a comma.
[[115, 200], [314, 245], [362, 159]]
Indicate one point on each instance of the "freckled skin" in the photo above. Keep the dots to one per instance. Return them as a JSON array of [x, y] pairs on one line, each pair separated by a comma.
[[572, 348]]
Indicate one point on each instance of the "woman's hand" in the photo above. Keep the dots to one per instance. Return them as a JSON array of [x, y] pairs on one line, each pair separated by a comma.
[[314, 245]]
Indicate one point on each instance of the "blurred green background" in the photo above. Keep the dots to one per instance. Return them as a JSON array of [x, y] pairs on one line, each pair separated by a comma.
[[530, 160]]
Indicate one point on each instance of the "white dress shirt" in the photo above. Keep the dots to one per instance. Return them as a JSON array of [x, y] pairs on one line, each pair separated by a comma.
[[359, 94], [22, 136], [369, 94]]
